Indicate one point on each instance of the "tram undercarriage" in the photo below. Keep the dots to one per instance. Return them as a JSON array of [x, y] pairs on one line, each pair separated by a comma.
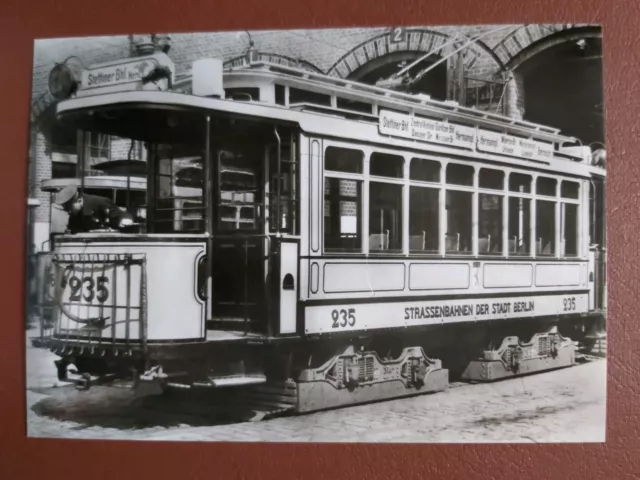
[[269, 377]]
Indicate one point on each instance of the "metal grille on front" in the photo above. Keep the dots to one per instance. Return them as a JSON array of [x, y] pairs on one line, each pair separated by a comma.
[[100, 298]]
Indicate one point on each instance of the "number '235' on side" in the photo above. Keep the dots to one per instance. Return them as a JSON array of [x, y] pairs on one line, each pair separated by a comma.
[[342, 318]]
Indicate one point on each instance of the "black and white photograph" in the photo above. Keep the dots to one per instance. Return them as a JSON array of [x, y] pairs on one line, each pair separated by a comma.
[[390, 234]]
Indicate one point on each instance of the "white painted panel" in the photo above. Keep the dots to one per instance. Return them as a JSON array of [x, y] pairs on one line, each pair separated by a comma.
[[288, 298], [437, 276], [174, 311], [561, 275], [360, 277], [371, 316], [497, 275]]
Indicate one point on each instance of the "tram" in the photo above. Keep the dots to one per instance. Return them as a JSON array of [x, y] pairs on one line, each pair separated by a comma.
[[334, 242]]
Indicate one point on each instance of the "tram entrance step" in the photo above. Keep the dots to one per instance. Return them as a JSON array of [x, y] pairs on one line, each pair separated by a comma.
[[237, 380], [545, 351]]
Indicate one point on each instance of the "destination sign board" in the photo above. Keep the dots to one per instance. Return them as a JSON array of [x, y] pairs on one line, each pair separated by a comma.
[[433, 131], [426, 130], [123, 72], [514, 146], [336, 318], [117, 74]]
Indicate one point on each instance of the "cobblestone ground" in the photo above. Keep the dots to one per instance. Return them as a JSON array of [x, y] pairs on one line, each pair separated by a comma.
[[561, 406]]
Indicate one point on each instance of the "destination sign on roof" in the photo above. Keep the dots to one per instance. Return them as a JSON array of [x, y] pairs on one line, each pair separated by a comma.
[[117, 74], [443, 133], [426, 130]]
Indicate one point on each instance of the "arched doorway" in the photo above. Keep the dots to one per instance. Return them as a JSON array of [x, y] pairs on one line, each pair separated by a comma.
[[434, 83], [563, 88]]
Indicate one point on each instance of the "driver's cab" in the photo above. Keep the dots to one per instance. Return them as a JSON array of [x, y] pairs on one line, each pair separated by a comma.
[[219, 178]]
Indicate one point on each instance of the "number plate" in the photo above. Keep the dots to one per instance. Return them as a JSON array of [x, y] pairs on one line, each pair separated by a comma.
[[85, 285]]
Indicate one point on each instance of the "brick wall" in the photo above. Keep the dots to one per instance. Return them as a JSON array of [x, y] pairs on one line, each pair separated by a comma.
[[42, 172]]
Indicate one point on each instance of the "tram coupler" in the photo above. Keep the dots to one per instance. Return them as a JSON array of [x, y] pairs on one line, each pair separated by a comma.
[[545, 351]]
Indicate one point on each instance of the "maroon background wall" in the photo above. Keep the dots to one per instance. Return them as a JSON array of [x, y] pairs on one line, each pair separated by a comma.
[[21, 21]]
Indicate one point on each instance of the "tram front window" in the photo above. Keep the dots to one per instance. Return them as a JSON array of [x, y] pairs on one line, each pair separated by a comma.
[[178, 187]]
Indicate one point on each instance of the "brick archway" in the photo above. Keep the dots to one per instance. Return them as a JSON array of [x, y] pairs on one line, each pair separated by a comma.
[[415, 40], [557, 79], [530, 40]]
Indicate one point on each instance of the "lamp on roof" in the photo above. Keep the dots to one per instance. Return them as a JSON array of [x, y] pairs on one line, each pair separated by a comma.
[[63, 80], [251, 53]]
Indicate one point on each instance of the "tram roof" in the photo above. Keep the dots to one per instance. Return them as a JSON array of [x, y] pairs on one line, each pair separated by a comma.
[[382, 97]]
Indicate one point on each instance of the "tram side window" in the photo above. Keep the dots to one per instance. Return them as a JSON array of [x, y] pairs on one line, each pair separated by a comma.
[[384, 165], [545, 227], [546, 186], [489, 224], [425, 170], [490, 208], [343, 200], [570, 229], [424, 220], [385, 217], [519, 226], [385, 203], [519, 182], [493, 179], [460, 174], [570, 190], [343, 160], [342, 207], [459, 219]]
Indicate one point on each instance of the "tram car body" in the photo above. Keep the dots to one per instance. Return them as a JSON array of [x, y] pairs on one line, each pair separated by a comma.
[[336, 242]]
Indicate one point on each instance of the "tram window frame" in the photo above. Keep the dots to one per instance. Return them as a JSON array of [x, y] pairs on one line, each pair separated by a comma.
[[491, 185], [549, 219], [546, 186], [386, 204], [460, 191], [571, 238], [175, 200], [419, 232], [525, 181], [426, 174], [248, 193], [350, 241], [490, 223], [521, 246], [567, 189]]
